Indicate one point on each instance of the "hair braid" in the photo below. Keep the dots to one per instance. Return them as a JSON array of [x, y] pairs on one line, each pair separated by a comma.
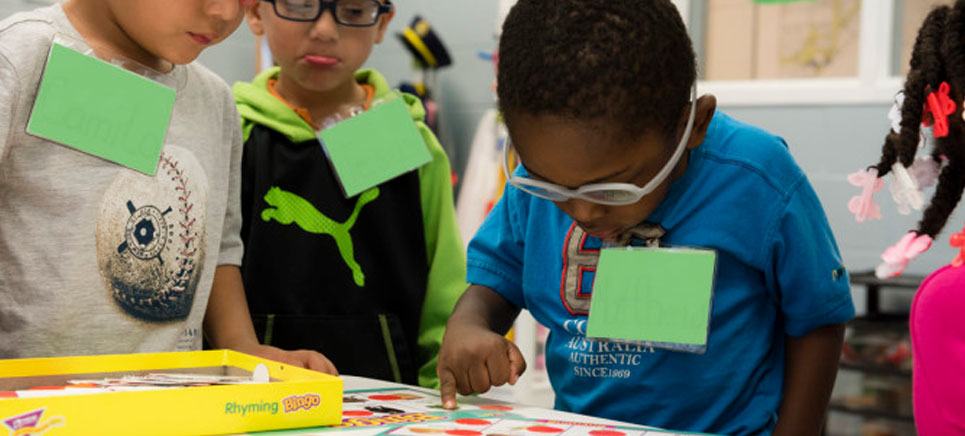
[[951, 182], [926, 71]]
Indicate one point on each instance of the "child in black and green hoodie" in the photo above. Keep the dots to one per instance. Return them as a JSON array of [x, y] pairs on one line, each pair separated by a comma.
[[369, 281]]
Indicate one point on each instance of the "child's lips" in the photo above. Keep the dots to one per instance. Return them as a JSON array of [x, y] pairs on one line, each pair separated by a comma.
[[320, 60], [203, 39]]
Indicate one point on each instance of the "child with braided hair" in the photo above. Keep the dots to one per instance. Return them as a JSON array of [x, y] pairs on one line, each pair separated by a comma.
[[932, 95]]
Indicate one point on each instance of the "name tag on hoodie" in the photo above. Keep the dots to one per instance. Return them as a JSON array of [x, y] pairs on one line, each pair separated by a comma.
[[374, 147]]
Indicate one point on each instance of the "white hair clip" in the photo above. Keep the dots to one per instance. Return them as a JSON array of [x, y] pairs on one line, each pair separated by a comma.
[[895, 113], [904, 190], [895, 116]]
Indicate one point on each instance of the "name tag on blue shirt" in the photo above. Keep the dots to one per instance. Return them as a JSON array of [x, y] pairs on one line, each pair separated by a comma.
[[657, 297]]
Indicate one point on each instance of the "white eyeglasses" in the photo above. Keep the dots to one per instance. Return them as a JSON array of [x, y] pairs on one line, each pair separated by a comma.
[[611, 194]]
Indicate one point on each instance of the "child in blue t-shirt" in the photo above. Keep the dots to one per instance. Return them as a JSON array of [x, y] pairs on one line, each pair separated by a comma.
[[599, 99]]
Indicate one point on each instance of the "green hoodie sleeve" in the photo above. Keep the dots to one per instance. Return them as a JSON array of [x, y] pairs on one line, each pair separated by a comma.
[[447, 260]]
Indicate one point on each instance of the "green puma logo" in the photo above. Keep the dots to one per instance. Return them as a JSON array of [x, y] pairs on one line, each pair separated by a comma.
[[287, 208]]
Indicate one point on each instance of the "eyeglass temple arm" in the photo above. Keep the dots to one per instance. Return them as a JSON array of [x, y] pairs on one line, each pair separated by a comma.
[[680, 149]]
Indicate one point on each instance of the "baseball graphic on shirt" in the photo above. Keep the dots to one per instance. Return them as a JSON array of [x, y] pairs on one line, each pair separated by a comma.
[[151, 237]]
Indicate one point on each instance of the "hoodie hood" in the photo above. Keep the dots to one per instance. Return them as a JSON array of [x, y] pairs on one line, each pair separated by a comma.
[[257, 106]]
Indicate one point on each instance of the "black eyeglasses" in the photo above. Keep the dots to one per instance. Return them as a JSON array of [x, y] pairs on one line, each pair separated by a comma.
[[352, 13]]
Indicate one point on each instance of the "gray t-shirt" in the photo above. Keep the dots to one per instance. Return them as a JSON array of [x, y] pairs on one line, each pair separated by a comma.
[[96, 258]]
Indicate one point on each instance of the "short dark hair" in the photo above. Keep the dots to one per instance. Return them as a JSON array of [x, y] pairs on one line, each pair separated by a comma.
[[629, 63]]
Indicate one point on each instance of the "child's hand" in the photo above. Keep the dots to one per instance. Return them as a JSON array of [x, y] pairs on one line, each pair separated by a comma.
[[473, 358], [309, 359]]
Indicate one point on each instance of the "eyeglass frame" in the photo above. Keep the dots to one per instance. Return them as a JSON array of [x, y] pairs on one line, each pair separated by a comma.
[[637, 192], [330, 6]]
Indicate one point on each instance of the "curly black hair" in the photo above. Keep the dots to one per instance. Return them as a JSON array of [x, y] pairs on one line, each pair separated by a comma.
[[627, 63], [938, 56]]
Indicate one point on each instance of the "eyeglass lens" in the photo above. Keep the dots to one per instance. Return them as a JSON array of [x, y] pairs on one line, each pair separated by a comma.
[[347, 12]]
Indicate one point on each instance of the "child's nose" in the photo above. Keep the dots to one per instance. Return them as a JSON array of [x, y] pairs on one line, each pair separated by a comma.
[[227, 10], [584, 211], [325, 28]]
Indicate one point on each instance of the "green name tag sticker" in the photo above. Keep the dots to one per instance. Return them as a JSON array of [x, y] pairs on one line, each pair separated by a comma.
[[102, 109], [658, 297], [375, 146]]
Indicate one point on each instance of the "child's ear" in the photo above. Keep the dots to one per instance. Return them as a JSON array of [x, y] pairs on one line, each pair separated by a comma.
[[253, 15], [384, 21], [706, 106]]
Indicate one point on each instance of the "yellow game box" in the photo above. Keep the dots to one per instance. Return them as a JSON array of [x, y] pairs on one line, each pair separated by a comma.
[[294, 397]]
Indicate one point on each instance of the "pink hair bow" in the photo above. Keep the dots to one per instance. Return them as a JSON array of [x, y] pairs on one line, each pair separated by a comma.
[[863, 206], [958, 241], [897, 257], [941, 106]]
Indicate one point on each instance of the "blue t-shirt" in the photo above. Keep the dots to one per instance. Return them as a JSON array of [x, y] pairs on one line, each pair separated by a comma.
[[778, 273]]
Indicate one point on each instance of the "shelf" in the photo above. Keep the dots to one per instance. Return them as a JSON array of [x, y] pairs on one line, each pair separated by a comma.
[[876, 369], [891, 321], [836, 406], [910, 282], [886, 325]]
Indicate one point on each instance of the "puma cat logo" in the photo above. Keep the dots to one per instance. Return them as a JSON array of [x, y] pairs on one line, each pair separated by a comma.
[[287, 208]]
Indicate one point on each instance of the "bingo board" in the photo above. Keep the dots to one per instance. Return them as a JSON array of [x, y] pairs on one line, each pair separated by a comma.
[[412, 412]]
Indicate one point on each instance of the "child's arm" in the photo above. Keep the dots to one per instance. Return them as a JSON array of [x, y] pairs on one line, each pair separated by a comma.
[[813, 288], [475, 355], [227, 324], [811, 365]]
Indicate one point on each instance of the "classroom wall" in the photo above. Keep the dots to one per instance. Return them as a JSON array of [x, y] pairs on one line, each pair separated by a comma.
[[234, 58], [829, 142]]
